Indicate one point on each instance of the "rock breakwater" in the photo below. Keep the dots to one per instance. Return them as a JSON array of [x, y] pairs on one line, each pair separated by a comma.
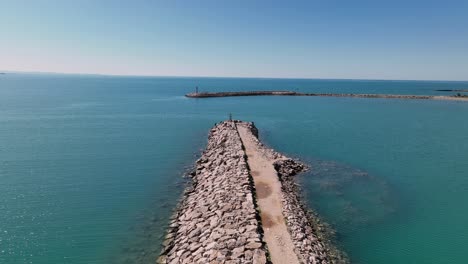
[[292, 93], [217, 222], [219, 219]]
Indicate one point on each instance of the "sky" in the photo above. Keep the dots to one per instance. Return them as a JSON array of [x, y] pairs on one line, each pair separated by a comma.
[[399, 39]]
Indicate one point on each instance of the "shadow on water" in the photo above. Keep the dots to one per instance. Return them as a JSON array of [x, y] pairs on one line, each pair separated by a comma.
[[347, 197]]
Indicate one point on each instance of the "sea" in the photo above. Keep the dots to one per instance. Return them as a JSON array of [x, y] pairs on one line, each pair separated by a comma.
[[91, 167]]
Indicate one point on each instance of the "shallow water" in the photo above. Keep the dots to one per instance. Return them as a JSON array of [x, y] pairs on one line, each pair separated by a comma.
[[91, 167]]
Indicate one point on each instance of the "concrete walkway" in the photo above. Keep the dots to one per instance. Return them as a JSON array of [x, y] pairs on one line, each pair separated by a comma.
[[268, 189]]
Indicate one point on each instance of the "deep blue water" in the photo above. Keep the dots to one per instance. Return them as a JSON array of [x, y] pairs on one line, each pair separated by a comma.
[[91, 166]]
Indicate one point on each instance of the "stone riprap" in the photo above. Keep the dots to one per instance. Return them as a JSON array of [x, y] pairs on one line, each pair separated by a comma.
[[217, 221], [292, 93]]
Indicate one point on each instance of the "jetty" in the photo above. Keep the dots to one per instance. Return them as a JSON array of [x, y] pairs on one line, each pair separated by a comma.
[[453, 90], [292, 93], [243, 206]]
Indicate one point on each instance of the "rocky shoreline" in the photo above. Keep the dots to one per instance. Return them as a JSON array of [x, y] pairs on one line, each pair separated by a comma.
[[218, 220]]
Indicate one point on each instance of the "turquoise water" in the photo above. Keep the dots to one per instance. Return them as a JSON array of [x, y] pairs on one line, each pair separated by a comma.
[[91, 166]]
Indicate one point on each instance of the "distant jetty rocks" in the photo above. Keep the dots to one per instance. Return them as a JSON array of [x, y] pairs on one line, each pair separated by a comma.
[[219, 219], [292, 93], [453, 90]]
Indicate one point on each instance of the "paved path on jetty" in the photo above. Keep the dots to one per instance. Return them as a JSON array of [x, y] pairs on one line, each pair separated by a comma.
[[268, 189]]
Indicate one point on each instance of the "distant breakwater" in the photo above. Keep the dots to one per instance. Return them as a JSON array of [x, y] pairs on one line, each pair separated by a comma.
[[292, 93], [452, 90], [218, 220]]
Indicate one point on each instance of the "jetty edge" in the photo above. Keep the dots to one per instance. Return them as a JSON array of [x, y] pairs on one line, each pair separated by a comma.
[[292, 93], [219, 219]]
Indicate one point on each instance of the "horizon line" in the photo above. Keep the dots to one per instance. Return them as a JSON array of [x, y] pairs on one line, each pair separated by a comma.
[[232, 77]]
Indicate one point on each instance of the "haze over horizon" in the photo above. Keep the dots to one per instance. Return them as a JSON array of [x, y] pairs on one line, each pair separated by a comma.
[[421, 40]]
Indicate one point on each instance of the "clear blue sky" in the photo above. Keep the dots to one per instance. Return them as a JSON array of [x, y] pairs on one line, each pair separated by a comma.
[[399, 39]]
